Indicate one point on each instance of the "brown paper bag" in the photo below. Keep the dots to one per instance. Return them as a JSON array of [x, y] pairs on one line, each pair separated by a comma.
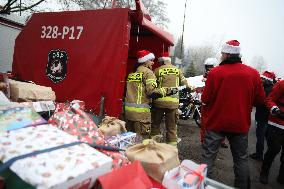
[[156, 158], [25, 92], [112, 126]]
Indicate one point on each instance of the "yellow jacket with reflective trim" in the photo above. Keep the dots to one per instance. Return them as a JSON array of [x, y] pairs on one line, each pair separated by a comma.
[[141, 86], [169, 76]]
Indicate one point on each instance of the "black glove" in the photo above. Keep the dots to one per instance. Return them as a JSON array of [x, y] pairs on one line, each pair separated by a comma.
[[171, 91], [275, 111], [281, 115], [188, 90]]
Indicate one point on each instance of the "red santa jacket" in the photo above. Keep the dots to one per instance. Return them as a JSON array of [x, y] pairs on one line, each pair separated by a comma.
[[230, 92], [276, 99]]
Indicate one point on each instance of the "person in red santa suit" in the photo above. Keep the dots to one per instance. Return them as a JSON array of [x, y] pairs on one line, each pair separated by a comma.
[[231, 91], [209, 64], [274, 133], [261, 116]]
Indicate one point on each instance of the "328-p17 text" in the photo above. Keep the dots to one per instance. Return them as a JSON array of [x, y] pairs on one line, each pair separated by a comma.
[[65, 32]]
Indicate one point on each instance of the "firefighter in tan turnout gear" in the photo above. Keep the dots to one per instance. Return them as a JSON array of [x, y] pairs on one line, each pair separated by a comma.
[[169, 76], [140, 89]]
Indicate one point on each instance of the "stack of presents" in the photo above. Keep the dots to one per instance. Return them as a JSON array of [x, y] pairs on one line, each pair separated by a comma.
[[68, 150]]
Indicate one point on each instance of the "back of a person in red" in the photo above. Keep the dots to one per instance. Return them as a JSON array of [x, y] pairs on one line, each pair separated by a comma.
[[274, 133], [231, 91], [209, 64]]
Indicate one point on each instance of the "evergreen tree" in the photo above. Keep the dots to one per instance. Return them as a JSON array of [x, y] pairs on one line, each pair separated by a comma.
[[191, 70], [179, 49]]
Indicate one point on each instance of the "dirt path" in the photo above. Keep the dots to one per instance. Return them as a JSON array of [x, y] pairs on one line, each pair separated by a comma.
[[190, 148]]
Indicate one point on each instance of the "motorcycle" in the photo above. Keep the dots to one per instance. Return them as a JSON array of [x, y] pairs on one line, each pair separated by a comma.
[[190, 106]]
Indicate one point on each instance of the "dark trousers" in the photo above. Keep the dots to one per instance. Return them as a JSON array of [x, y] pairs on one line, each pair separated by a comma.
[[260, 136], [275, 141], [239, 149]]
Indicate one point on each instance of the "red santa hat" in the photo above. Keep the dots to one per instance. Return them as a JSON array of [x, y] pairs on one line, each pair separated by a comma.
[[144, 56], [165, 56], [268, 75], [231, 47]]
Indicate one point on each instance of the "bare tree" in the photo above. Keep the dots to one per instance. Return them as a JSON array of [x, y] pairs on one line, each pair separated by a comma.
[[18, 6], [156, 8], [258, 63]]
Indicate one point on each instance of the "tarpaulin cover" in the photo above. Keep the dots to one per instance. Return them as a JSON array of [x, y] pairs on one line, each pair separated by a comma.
[[81, 55]]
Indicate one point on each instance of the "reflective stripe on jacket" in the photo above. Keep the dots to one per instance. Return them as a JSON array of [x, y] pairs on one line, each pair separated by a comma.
[[141, 85], [169, 76]]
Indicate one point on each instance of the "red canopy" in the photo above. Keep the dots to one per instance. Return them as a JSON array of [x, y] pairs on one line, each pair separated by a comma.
[[85, 55]]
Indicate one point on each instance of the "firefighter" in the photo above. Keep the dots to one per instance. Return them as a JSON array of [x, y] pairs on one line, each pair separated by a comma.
[[209, 63], [140, 89], [169, 76]]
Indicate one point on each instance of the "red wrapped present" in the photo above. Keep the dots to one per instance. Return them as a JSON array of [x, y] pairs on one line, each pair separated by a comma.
[[72, 119]]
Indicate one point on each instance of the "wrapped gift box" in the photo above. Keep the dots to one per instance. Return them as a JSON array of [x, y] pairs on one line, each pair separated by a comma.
[[16, 117], [72, 167], [189, 175], [29, 91], [123, 140], [41, 106]]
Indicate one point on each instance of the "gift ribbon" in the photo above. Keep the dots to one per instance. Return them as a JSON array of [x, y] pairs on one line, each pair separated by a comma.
[[102, 147], [8, 163], [120, 140], [189, 171]]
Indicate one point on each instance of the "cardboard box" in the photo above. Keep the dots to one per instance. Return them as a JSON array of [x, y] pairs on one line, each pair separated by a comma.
[[30, 92], [72, 167]]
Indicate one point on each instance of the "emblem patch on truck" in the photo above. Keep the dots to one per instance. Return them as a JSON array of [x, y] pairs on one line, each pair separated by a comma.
[[56, 68]]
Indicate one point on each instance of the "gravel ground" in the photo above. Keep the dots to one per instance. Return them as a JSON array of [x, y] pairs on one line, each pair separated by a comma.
[[190, 148]]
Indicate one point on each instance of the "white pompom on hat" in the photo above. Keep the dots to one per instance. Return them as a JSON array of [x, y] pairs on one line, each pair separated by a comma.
[[231, 47], [165, 56], [144, 56]]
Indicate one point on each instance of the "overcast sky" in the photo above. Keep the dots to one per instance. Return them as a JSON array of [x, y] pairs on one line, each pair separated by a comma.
[[257, 24]]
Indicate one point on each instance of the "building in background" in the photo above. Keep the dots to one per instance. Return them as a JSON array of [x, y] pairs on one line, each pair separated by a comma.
[[10, 27]]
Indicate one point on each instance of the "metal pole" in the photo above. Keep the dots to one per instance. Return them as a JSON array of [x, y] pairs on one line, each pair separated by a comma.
[[181, 44], [102, 107], [20, 7]]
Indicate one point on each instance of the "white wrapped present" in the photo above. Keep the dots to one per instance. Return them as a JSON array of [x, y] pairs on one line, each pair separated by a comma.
[[122, 140], [61, 168], [189, 175]]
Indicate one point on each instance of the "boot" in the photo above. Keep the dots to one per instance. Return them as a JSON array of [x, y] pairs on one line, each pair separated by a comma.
[[263, 178], [256, 156], [224, 145], [280, 178]]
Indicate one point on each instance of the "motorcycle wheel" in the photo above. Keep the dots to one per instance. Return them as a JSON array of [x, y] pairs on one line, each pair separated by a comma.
[[197, 119]]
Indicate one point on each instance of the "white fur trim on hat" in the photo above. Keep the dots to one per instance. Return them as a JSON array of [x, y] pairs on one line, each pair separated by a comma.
[[270, 79], [162, 59], [146, 58], [231, 49]]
